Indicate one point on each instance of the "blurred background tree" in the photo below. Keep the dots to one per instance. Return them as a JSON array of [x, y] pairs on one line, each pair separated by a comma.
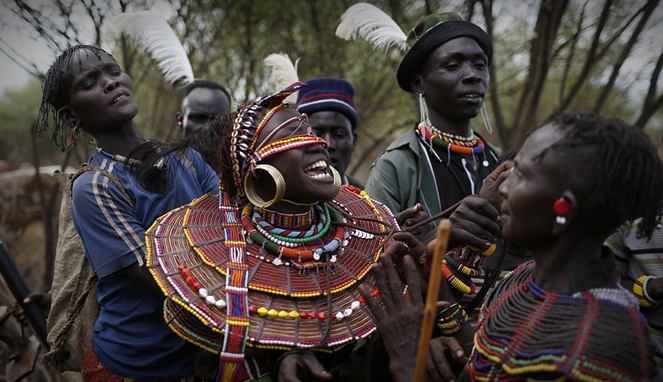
[[562, 55]]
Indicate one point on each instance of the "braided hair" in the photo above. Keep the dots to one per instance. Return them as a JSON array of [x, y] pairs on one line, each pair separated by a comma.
[[613, 167], [56, 87]]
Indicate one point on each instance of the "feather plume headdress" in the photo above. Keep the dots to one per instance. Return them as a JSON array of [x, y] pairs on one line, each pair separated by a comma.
[[156, 36], [282, 73], [366, 21]]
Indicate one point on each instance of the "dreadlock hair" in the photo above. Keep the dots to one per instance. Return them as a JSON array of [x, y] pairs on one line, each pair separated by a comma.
[[613, 167], [56, 86], [206, 84]]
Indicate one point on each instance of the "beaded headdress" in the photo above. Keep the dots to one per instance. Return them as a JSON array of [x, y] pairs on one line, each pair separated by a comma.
[[245, 152]]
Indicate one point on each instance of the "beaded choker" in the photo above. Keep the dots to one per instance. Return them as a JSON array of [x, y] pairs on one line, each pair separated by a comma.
[[462, 145], [289, 220], [303, 248]]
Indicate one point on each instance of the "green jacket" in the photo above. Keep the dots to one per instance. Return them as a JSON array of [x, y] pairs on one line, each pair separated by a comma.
[[402, 176], [397, 175]]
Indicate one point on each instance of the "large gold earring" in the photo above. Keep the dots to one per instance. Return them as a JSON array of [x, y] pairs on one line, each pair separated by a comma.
[[337, 181], [252, 195]]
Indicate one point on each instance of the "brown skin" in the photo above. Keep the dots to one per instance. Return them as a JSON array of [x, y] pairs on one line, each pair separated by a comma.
[[335, 128], [568, 257], [302, 186], [102, 104], [400, 322], [198, 107], [453, 81]]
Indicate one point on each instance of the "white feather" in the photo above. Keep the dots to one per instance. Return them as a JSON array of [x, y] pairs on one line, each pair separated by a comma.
[[154, 35], [372, 24], [282, 73]]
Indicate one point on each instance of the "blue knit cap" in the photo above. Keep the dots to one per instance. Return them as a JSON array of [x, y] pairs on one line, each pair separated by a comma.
[[324, 94]]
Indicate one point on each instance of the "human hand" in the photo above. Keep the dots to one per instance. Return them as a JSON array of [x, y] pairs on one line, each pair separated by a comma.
[[301, 365], [475, 222], [408, 218], [490, 189], [40, 298], [442, 350], [399, 323], [409, 245]]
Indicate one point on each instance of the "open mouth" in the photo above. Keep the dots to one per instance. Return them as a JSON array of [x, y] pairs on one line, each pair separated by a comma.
[[118, 98], [472, 96], [318, 170]]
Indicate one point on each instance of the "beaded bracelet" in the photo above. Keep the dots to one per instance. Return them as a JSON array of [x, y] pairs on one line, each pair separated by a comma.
[[452, 323], [460, 267], [639, 286], [474, 257], [456, 282]]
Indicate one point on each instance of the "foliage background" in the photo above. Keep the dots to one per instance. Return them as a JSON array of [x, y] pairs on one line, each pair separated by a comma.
[[548, 56]]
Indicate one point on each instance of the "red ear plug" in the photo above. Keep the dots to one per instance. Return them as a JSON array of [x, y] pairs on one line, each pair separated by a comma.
[[562, 207]]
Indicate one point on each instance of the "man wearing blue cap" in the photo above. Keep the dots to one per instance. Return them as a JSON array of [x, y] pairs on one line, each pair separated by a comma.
[[329, 104]]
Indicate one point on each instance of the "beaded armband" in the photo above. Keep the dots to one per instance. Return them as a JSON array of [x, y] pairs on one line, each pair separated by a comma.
[[640, 292], [468, 264], [451, 319]]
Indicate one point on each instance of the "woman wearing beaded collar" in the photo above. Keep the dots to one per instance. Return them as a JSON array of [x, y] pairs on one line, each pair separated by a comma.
[[274, 262], [563, 316]]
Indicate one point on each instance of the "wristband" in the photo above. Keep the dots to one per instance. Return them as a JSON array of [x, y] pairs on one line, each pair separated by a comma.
[[639, 286]]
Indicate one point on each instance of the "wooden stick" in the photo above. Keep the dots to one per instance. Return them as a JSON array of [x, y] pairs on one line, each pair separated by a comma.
[[443, 231]]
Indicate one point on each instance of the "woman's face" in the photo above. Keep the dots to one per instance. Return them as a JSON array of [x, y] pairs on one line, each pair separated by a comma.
[[101, 95], [306, 170], [530, 191], [454, 79]]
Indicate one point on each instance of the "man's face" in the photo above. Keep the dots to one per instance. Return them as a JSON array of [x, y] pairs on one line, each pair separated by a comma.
[[199, 106], [335, 128]]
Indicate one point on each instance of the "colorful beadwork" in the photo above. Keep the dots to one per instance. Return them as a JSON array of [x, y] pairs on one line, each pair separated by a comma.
[[299, 253], [451, 319], [639, 286], [457, 265], [462, 145], [527, 333], [292, 236], [456, 282], [190, 236], [284, 144]]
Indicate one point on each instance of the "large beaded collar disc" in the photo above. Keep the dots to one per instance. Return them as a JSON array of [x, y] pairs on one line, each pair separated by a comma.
[[234, 283]]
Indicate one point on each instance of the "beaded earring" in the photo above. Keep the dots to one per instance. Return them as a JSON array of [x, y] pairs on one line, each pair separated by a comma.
[[562, 207], [252, 195]]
